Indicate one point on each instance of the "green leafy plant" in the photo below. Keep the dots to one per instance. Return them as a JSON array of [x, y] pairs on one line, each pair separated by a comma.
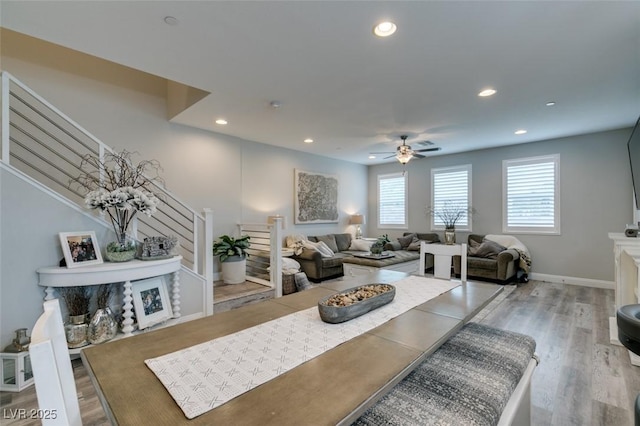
[[227, 246]]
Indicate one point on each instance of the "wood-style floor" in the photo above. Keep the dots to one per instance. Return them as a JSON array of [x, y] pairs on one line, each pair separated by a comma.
[[581, 380]]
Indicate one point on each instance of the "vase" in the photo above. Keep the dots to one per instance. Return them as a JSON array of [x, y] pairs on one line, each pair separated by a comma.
[[123, 250], [103, 326], [76, 331], [450, 236]]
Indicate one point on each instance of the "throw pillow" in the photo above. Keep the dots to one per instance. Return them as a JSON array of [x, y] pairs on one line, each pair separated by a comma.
[[302, 282], [487, 249], [343, 241], [330, 241], [321, 247], [360, 245], [290, 265], [393, 246], [415, 244], [406, 240]]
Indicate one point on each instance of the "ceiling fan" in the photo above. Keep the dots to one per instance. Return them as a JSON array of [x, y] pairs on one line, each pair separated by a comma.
[[404, 153]]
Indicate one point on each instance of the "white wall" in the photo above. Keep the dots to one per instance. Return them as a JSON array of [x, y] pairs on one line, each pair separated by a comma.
[[241, 181], [595, 188]]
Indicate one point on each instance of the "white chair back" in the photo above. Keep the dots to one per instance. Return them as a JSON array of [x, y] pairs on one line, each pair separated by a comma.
[[52, 372], [442, 254]]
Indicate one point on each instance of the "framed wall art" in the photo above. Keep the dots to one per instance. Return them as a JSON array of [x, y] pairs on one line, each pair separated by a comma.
[[151, 302], [316, 197], [80, 248]]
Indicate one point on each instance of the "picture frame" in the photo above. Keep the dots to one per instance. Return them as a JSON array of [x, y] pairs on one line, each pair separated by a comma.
[[316, 197], [80, 248], [151, 302]]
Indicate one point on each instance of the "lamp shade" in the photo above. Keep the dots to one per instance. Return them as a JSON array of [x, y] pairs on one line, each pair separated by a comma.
[[272, 219], [357, 219]]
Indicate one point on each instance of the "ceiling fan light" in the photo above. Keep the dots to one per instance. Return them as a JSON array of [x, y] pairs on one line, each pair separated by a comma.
[[404, 158]]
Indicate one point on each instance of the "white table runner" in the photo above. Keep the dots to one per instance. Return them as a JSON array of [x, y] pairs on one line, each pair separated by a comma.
[[205, 376]]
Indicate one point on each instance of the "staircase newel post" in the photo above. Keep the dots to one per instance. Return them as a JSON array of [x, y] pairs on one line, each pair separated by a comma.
[[276, 254], [5, 117], [208, 261]]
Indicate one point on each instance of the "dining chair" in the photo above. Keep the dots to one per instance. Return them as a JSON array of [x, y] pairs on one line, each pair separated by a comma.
[[52, 371], [442, 255]]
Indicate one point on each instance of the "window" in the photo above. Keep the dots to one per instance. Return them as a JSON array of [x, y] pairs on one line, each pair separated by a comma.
[[451, 188], [392, 200], [531, 195]]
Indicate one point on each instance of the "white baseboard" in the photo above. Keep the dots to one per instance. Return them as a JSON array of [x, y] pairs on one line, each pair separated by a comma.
[[585, 282], [190, 317]]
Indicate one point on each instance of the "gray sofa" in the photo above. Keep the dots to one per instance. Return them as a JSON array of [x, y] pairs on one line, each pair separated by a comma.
[[490, 262], [318, 268]]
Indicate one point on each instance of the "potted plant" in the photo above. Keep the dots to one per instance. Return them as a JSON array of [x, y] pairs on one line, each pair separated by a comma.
[[121, 189], [449, 213], [378, 247], [232, 253]]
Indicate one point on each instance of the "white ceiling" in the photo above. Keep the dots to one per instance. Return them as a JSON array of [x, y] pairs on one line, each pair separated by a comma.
[[353, 92]]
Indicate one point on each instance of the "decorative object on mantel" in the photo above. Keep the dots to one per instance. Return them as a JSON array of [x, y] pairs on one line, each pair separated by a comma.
[[353, 302], [156, 248], [20, 343], [80, 248], [120, 189], [77, 302], [103, 326], [232, 253], [449, 213]]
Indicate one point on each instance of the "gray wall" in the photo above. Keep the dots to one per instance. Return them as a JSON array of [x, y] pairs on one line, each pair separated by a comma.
[[240, 180], [595, 192]]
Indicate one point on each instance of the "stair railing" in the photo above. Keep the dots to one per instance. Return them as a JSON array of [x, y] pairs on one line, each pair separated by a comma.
[[41, 142]]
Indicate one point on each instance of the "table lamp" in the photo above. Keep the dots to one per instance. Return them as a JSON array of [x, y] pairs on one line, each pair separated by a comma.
[[357, 219]]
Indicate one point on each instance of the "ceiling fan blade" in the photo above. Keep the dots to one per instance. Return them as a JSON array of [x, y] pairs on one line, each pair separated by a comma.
[[391, 156], [427, 149], [383, 152], [414, 155]]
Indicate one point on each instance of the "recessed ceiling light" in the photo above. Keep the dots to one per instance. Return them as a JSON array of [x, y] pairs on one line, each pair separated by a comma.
[[550, 103], [221, 121], [170, 20], [308, 140], [487, 92], [371, 157], [520, 132], [385, 29]]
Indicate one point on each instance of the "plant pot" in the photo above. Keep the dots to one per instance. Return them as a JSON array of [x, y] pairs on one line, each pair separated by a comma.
[[450, 236], [234, 270]]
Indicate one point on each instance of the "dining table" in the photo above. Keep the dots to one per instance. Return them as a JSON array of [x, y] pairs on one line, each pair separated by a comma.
[[334, 388]]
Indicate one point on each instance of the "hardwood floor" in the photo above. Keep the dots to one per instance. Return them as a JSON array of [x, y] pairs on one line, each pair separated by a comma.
[[581, 380]]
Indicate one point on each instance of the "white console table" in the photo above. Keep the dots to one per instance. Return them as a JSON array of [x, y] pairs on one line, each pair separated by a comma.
[[627, 279], [106, 273]]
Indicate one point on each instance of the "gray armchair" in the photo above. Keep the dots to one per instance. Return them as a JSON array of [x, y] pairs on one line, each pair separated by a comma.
[[490, 265]]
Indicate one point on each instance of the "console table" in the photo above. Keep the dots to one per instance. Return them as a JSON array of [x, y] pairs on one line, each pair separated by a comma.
[[106, 273], [627, 279]]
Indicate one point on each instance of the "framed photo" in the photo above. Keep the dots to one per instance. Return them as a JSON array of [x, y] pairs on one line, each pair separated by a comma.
[[316, 197], [80, 248], [151, 302]]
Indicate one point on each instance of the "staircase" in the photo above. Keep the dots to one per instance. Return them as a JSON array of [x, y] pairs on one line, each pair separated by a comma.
[[45, 148]]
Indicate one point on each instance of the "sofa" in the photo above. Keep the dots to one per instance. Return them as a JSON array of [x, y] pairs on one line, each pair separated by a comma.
[[319, 268], [488, 261]]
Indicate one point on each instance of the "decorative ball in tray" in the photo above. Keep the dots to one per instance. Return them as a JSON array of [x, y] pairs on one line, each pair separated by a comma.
[[353, 302]]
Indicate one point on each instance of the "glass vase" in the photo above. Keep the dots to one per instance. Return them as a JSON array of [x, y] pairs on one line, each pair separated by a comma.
[[76, 331], [103, 326], [122, 250], [450, 236]]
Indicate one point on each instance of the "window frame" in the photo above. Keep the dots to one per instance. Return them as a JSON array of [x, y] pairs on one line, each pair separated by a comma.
[[453, 169], [539, 230], [394, 175]]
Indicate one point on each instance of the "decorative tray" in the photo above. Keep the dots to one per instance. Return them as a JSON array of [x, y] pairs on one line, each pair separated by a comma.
[[353, 302], [383, 255]]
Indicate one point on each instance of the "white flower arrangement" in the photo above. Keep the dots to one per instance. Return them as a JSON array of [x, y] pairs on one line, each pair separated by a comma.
[[119, 189]]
